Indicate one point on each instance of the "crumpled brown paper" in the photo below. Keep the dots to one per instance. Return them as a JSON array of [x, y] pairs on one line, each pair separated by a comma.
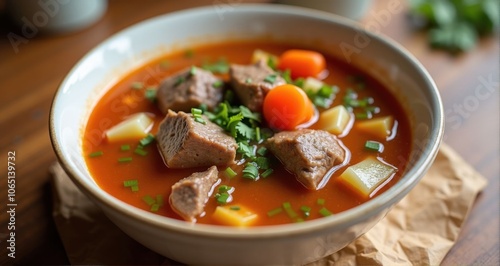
[[420, 229]]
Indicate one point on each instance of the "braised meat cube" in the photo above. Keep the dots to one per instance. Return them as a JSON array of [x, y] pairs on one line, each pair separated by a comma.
[[189, 195], [185, 143], [252, 82], [308, 154], [189, 89]]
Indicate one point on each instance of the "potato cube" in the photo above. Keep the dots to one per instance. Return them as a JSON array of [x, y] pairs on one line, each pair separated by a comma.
[[334, 120], [234, 215], [379, 127], [366, 176], [134, 127], [312, 84], [262, 55]]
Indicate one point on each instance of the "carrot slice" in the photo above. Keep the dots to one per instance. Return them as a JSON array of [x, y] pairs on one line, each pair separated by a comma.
[[302, 63], [286, 107]]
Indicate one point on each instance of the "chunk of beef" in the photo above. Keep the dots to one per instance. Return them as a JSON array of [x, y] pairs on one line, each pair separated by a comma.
[[308, 154], [188, 89], [185, 143], [189, 195], [252, 82]]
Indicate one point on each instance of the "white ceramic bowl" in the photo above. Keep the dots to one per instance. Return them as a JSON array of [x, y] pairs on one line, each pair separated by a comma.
[[284, 244]]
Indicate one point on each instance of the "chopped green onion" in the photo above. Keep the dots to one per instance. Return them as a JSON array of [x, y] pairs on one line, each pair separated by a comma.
[[96, 154], [155, 207], [364, 115], [262, 151], [200, 120], [149, 200], [159, 200], [235, 208], [196, 111], [274, 212], [150, 94], [299, 220], [324, 212], [147, 140], [130, 183], [374, 146], [140, 152], [218, 84], [225, 188], [222, 198], [125, 147], [271, 78], [137, 85], [320, 201], [251, 171], [262, 162], [267, 173], [306, 210], [288, 209], [248, 80], [257, 134], [230, 172], [134, 188], [125, 159]]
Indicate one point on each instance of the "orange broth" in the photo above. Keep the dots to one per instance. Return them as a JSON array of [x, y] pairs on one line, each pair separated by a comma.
[[261, 196]]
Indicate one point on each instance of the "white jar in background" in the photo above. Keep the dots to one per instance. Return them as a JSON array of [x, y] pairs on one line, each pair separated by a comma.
[[353, 9], [56, 16]]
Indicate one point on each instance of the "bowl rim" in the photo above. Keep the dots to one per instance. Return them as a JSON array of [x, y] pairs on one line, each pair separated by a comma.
[[343, 219]]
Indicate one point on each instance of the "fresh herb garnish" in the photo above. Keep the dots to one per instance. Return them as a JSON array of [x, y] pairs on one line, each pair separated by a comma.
[[137, 85], [274, 212], [218, 67], [96, 154], [230, 172], [218, 84], [150, 138], [324, 96], [374, 146], [251, 171], [306, 210], [271, 78], [125, 147], [325, 212], [150, 94], [132, 184], [456, 25], [125, 159]]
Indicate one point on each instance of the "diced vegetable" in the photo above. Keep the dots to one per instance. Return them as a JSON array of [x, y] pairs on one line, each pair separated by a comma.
[[334, 120], [228, 215], [135, 127], [378, 127], [367, 176], [287, 106], [270, 59], [302, 63], [312, 84]]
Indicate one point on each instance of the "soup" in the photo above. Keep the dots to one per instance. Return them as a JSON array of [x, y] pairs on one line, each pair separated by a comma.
[[301, 144]]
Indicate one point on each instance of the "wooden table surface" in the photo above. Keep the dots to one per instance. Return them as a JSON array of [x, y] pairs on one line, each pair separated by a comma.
[[469, 85]]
